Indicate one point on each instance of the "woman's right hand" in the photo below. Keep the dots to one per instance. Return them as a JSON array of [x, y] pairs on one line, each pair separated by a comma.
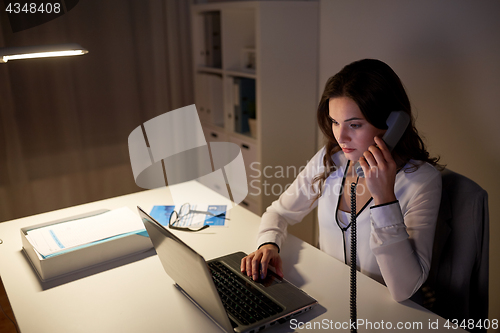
[[256, 263]]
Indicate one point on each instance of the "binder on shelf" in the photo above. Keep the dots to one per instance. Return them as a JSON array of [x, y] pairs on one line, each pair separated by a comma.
[[209, 102], [213, 54], [245, 104], [215, 100], [79, 258], [201, 96], [237, 106]]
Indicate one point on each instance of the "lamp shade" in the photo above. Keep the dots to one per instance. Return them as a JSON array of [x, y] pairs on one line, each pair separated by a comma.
[[41, 51]]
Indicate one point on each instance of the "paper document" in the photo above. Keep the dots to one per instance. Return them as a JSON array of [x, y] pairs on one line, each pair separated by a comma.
[[70, 234], [195, 218]]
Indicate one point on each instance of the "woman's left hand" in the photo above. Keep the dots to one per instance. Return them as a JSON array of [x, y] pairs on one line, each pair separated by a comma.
[[380, 172]]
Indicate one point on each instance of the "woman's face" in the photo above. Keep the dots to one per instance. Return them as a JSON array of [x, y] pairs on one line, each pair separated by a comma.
[[350, 128]]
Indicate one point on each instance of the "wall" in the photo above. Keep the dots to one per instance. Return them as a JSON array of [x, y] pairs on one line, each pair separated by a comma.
[[447, 53], [64, 122]]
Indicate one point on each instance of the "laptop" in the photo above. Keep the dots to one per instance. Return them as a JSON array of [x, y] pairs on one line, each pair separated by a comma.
[[232, 300]]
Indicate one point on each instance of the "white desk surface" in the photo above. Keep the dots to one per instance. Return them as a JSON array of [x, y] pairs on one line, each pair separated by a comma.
[[136, 295]]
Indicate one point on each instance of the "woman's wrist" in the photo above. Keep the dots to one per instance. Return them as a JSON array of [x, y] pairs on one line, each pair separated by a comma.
[[270, 243], [384, 199]]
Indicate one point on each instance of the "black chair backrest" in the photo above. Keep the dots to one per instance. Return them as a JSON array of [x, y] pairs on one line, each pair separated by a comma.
[[458, 278]]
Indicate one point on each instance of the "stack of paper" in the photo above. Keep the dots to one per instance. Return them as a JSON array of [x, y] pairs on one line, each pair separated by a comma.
[[69, 235]]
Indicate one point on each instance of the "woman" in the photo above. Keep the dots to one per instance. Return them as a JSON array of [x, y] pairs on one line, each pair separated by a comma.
[[397, 201]]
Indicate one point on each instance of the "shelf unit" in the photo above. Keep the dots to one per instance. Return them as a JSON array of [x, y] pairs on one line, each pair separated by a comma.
[[272, 48]]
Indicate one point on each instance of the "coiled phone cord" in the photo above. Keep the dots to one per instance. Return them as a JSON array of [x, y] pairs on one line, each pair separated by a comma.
[[353, 259]]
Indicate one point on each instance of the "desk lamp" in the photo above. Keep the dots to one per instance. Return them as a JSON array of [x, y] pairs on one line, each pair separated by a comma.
[[42, 51]]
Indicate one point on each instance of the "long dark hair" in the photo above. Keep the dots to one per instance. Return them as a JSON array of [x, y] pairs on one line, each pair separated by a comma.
[[377, 90]]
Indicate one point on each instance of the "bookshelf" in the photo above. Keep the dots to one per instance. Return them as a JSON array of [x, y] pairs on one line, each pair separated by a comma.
[[256, 72]]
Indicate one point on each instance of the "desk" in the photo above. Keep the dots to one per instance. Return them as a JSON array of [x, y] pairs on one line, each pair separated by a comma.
[[136, 295]]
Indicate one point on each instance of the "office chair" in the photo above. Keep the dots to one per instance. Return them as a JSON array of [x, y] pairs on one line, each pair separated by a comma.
[[457, 286]]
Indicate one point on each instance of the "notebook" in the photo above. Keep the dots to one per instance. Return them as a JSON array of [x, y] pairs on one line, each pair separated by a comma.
[[218, 288]]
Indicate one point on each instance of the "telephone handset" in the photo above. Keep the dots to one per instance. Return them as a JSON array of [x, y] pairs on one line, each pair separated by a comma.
[[397, 123]]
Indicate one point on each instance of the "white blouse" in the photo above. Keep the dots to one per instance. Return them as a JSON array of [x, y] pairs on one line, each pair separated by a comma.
[[394, 241]]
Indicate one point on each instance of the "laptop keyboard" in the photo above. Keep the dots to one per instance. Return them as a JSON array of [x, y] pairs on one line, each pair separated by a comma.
[[242, 300]]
